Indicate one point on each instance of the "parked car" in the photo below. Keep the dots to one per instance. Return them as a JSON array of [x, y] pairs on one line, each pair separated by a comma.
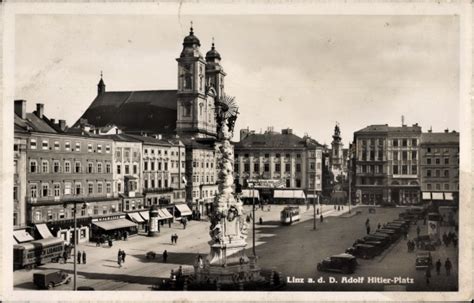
[[50, 278], [385, 239], [344, 263], [380, 234], [151, 255], [423, 260], [390, 232], [364, 251]]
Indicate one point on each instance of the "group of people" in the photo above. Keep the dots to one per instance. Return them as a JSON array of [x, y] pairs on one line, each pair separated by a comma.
[[121, 257], [174, 239], [449, 238], [81, 256], [447, 266]]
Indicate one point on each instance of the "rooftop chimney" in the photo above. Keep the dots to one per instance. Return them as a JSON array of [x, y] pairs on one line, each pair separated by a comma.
[[20, 108], [39, 110], [446, 130], [52, 121], [62, 124]]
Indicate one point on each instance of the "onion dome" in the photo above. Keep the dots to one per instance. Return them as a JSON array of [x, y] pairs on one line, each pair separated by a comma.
[[191, 40], [213, 54]]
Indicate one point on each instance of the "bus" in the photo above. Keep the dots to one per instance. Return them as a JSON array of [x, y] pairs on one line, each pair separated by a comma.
[[290, 214], [35, 253]]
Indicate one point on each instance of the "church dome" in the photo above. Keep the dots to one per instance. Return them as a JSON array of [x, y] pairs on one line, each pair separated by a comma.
[[191, 40], [212, 54]]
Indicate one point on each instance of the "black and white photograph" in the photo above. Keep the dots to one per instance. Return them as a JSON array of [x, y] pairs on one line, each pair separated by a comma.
[[186, 149]]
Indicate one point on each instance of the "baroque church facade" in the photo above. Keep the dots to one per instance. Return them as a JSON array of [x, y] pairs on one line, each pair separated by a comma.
[[187, 113]]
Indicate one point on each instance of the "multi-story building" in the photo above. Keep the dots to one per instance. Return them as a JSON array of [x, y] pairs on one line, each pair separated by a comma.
[[64, 168], [386, 164], [295, 162], [439, 163], [19, 167], [163, 170]]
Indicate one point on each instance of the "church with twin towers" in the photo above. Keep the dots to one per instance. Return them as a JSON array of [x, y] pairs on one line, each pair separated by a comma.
[[186, 114]]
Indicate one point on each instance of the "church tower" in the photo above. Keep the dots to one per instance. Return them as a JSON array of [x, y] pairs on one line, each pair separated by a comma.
[[214, 72], [195, 109], [336, 155]]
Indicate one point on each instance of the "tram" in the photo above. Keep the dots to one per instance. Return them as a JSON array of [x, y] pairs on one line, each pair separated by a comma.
[[34, 253], [290, 214]]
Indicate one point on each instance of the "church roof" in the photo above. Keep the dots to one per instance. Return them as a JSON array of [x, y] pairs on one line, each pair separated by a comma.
[[135, 111]]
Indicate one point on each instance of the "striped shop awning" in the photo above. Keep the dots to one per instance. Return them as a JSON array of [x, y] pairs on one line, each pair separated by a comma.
[[426, 195], [289, 194]]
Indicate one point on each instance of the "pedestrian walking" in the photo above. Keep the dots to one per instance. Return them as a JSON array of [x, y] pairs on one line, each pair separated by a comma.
[[79, 257], [97, 242], [84, 257], [438, 267], [368, 229], [428, 275], [418, 231], [169, 223], [176, 238], [455, 241], [119, 261], [447, 266], [321, 218], [260, 221], [367, 222], [165, 256], [378, 226], [123, 256], [110, 242], [172, 239]]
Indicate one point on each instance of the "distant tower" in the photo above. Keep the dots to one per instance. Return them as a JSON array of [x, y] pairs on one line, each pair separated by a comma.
[[195, 108], [336, 155], [101, 85]]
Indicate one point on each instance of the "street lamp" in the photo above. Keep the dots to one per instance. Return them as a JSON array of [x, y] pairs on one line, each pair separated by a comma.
[[253, 221], [84, 206], [314, 213]]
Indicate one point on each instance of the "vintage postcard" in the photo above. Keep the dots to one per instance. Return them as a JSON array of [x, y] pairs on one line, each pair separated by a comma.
[[292, 151]]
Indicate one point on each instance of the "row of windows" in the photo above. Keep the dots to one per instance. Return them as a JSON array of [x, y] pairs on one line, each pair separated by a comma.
[[404, 170], [44, 189], [56, 167], [437, 161], [437, 173], [152, 183], [150, 165], [126, 153], [45, 145], [437, 186], [208, 179], [205, 193], [159, 152], [196, 164], [440, 150], [127, 169], [62, 214], [277, 155], [404, 155], [277, 167]]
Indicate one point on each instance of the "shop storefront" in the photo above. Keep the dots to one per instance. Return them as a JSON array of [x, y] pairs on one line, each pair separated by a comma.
[[289, 196], [182, 210], [114, 227]]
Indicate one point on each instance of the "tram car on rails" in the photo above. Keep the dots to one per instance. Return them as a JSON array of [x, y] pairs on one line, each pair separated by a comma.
[[290, 214], [34, 253]]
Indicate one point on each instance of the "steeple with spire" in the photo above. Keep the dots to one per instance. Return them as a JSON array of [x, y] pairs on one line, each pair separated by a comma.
[[101, 85]]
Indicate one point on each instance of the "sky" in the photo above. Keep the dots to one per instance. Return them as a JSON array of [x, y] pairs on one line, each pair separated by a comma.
[[300, 72]]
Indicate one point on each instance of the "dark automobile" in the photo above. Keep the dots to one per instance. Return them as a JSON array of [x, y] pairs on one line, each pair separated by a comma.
[[50, 278], [387, 236], [423, 260], [404, 223], [385, 239], [390, 232], [364, 251], [378, 246], [399, 229], [344, 263]]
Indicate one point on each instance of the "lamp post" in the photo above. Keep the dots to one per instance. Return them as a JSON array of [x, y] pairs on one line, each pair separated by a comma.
[[84, 206], [314, 213], [253, 220]]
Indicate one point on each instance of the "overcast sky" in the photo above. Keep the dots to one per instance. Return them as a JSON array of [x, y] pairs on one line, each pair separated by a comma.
[[302, 72]]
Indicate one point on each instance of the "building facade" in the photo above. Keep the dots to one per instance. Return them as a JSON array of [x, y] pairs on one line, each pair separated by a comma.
[[296, 162], [386, 164], [439, 163]]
